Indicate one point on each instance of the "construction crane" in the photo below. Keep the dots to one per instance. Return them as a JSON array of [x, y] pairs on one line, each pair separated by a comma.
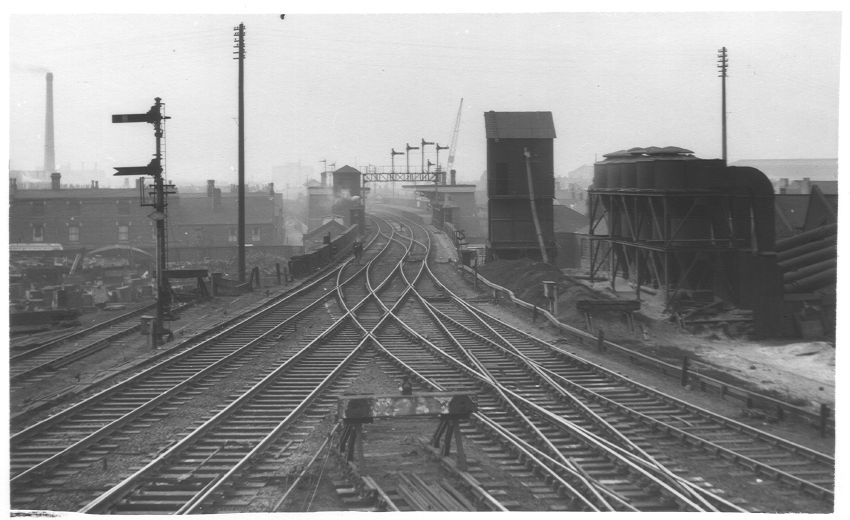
[[453, 146]]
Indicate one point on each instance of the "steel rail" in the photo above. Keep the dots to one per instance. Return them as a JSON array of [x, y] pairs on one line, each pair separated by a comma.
[[195, 502], [812, 487], [120, 490], [165, 357], [705, 381], [544, 374], [132, 414], [77, 334], [107, 429], [693, 439], [486, 378], [435, 385], [669, 478]]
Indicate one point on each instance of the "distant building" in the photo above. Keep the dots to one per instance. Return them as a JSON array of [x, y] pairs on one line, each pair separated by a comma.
[[815, 169], [204, 224], [199, 224], [316, 238], [785, 186], [78, 218], [567, 226]]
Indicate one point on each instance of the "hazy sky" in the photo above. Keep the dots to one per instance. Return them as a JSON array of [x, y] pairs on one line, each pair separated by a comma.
[[349, 87]]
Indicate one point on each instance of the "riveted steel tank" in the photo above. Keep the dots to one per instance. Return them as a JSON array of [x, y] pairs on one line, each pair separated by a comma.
[[615, 175], [669, 174], [628, 174], [645, 174], [600, 175]]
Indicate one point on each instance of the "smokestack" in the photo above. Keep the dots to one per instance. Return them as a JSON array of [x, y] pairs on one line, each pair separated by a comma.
[[210, 187], [55, 179], [49, 147]]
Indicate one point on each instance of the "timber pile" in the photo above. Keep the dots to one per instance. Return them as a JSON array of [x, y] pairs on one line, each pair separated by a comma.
[[424, 496]]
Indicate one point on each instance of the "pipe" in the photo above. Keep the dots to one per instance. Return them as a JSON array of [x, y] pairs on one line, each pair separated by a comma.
[[816, 281], [802, 238], [539, 231], [808, 247], [809, 270], [817, 255]]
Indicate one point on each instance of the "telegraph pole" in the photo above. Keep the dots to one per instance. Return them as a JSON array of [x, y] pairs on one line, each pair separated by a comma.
[[240, 231], [723, 64]]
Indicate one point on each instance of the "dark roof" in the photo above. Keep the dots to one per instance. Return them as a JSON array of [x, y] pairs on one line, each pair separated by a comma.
[[567, 220], [790, 213], [519, 125], [76, 193], [332, 226], [347, 169], [651, 151]]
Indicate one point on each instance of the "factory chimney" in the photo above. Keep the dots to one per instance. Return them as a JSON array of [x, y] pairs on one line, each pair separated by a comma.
[[55, 179], [49, 147]]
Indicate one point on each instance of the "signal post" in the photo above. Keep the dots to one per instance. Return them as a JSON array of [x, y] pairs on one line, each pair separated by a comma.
[[154, 169]]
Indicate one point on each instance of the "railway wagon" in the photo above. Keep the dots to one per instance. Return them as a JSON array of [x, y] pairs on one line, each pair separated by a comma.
[[304, 265]]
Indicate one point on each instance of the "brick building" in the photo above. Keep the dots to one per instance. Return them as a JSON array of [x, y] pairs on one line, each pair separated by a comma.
[[77, 218], [205, 224], [199, 224]]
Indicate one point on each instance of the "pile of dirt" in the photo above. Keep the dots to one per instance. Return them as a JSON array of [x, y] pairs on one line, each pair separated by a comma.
[[525, 278]]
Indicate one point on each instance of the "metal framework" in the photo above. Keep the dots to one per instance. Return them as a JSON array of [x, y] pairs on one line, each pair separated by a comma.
[[388, 174], [647, 240]]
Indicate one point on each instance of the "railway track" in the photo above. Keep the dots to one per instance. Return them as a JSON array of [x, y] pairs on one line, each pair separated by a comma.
[[39, 362], [91, 429], [179, 480], [569, 434]]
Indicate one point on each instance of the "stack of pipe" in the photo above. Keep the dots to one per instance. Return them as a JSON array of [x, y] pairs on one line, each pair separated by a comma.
[[809, 260]]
